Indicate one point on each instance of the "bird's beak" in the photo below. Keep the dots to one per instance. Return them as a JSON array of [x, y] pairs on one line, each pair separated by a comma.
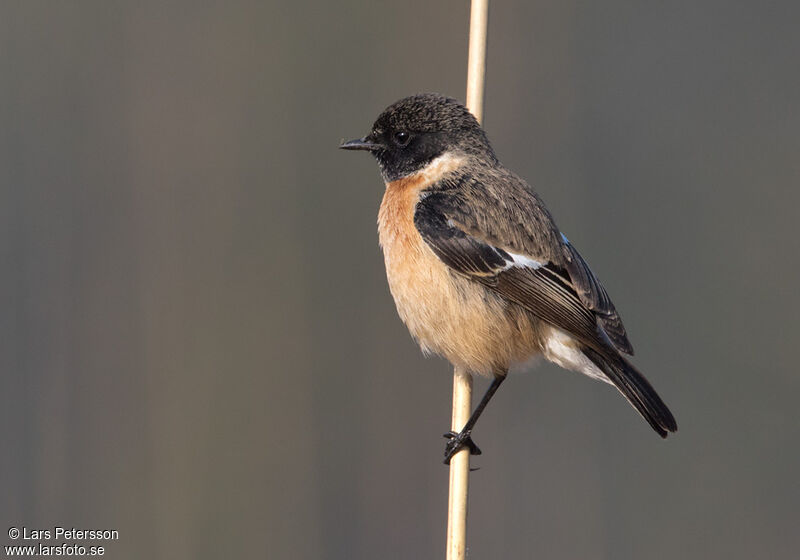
[[365, 143]]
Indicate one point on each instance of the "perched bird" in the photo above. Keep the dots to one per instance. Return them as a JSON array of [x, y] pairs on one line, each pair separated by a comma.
[[478, 269]]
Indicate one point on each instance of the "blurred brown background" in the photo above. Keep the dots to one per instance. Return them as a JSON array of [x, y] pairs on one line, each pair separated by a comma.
[[198, 345]]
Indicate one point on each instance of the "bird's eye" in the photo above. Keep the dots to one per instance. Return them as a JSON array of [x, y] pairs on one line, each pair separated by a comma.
[[401, 138]]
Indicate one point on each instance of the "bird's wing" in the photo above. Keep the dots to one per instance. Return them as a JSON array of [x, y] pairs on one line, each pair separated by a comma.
[[516, 250], [594, 296]]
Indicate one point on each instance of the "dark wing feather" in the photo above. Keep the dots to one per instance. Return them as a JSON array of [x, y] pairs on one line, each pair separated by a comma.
[[594, 296], [548, 294], [545, 290], [455, 248]]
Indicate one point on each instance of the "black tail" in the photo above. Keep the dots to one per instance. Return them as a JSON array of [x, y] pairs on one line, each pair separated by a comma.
[[636, 389]]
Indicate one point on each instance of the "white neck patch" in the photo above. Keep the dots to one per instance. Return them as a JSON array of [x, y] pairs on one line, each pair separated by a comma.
[[437, 168]]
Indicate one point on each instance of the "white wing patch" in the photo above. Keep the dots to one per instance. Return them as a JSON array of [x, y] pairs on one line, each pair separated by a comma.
[[561, 349], [521, 261]]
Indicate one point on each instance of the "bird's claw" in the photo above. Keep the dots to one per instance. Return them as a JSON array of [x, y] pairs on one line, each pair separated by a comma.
[[457, 440]]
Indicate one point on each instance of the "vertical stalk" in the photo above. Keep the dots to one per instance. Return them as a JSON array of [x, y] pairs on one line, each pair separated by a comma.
[[459, 470], [462, 379]]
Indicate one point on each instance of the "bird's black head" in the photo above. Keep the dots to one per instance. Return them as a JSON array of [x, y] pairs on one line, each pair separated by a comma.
[[412, 132]]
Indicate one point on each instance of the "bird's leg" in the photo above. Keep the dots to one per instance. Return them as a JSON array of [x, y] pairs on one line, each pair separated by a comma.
[[462, 438]]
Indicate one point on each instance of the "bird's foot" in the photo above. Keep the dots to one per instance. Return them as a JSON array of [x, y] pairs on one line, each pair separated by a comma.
[[457, 440]]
